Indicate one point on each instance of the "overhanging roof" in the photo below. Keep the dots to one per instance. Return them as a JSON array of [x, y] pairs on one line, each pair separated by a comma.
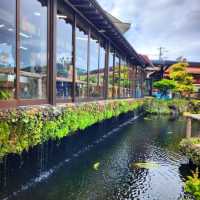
[[123, 27], [97, 16]]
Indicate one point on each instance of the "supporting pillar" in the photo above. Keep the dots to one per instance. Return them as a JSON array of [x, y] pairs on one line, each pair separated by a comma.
[[52, 51], [74, 59], [189, 127]]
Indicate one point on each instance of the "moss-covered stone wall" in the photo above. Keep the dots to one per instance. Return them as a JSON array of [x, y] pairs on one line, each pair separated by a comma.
[[26, 127]]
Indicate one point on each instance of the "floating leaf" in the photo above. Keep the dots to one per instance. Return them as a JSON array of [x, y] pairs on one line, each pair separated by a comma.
[[145, 165], [96, 166], [147, 119]]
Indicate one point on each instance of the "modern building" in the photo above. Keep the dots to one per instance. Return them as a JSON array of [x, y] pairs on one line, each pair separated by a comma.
[[59, 51]]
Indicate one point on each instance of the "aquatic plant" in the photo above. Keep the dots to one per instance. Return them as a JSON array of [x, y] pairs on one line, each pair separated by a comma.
[[192, 185]]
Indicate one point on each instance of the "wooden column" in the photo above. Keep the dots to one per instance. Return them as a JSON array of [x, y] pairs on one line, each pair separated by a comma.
[[189, 127], [17, 49], [52, 50], [88, 61], [113, 75], [119, 84], [74, 59]]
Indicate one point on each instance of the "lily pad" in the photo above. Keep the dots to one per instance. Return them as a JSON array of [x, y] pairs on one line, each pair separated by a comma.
[[96, 166], [144, 165]]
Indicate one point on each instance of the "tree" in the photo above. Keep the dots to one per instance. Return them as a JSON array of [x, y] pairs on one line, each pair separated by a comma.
[[184, 81], [164, 86]]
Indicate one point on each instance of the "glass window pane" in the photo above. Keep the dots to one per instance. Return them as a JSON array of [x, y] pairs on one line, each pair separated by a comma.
[[110, 73], [94, 90], [116, 77], [64, 56], [81, 62], [102, 53], [33, 46], [7, 49]]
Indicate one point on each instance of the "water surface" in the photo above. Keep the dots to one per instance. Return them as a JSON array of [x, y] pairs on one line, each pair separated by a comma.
[[69, 173]]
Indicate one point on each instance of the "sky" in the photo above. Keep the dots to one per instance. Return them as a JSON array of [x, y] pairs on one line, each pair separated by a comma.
[[172, 24]]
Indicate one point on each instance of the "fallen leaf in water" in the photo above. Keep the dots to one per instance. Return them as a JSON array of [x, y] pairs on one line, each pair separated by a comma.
[[145, 165], [147, 119], [96, 166]]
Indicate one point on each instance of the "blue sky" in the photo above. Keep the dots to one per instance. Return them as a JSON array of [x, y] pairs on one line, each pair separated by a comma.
[[173, 24]]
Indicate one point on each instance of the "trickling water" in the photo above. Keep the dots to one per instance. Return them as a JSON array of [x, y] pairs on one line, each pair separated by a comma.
[[65, 170]]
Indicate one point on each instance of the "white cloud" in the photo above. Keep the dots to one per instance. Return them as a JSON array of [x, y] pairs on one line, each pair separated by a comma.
[[174, 24]]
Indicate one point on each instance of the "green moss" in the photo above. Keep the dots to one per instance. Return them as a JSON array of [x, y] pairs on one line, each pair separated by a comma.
[[23, 129]]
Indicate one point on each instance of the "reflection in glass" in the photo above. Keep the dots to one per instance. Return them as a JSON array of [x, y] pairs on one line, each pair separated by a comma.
[[102, 53], [64, 57], [116, 89], [130, 80], [110, 73], [7, 49], [33, 46], [125, 82], [94, 89], [81, 62], [138, 84]]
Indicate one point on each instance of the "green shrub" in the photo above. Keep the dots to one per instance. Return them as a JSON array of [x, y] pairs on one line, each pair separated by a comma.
[[192, 185], [157, 106], [190, 147]]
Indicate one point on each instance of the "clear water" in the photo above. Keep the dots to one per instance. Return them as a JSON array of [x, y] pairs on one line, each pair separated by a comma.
[[70, 173]]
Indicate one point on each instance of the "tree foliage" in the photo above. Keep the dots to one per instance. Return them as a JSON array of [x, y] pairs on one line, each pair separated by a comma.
[[164, 85], [184, 81]]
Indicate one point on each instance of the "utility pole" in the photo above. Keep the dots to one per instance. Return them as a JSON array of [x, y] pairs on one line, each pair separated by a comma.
[[162, 50]]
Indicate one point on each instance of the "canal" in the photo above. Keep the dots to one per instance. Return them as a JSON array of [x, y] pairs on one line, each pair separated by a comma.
[[103, 163]]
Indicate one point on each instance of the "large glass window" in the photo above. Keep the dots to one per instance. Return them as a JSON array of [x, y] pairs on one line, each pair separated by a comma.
[[130, 80], [102, 53], [138, 84], [64, 56], [7, 49], [110, 73], [33, 46], [123, 74], [94, 90], [116, 89], [81, 60], [125, 78]]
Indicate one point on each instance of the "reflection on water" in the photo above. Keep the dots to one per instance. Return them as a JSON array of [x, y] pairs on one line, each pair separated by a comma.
[[95, 164]]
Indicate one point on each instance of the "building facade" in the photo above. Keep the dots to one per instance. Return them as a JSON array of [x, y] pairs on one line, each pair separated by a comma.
[[59, 51]]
